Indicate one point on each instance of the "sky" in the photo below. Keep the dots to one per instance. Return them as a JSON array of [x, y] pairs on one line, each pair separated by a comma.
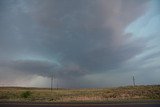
[[83, 43]]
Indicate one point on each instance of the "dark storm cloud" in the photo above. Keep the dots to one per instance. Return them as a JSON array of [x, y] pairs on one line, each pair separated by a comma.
[[89, 33], [43, 68], [84, 36]]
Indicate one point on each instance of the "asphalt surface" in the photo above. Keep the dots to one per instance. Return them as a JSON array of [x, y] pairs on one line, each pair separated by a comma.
[[77, 105]]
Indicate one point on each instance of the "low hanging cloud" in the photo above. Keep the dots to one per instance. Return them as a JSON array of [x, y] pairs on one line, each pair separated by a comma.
[[78, 37]]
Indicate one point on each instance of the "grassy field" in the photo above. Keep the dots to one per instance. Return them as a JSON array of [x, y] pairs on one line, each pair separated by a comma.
[[79, 95]]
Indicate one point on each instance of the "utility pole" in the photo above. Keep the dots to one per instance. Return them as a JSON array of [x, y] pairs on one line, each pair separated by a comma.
[[51, 81], [134, 81], [57, 83]]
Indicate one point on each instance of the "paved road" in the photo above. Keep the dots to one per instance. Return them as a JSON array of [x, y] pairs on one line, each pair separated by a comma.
[[77, 105]]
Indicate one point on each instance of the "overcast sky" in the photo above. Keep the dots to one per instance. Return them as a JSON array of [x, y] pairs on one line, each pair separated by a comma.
[[84, 43]]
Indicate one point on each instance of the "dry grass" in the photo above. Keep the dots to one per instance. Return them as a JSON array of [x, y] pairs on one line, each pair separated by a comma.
[[90, 95]]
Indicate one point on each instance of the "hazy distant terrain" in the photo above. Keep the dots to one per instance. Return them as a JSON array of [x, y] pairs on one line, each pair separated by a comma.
[[78, 95]]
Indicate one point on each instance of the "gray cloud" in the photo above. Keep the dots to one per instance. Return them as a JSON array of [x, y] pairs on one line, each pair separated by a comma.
[[78, 37], [90, 36], [43, 68]]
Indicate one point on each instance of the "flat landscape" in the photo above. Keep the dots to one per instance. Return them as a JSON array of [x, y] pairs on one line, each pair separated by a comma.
[[102, 95]]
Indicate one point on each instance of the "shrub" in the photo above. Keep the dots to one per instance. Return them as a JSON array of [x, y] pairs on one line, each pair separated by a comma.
[[26, 94]]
